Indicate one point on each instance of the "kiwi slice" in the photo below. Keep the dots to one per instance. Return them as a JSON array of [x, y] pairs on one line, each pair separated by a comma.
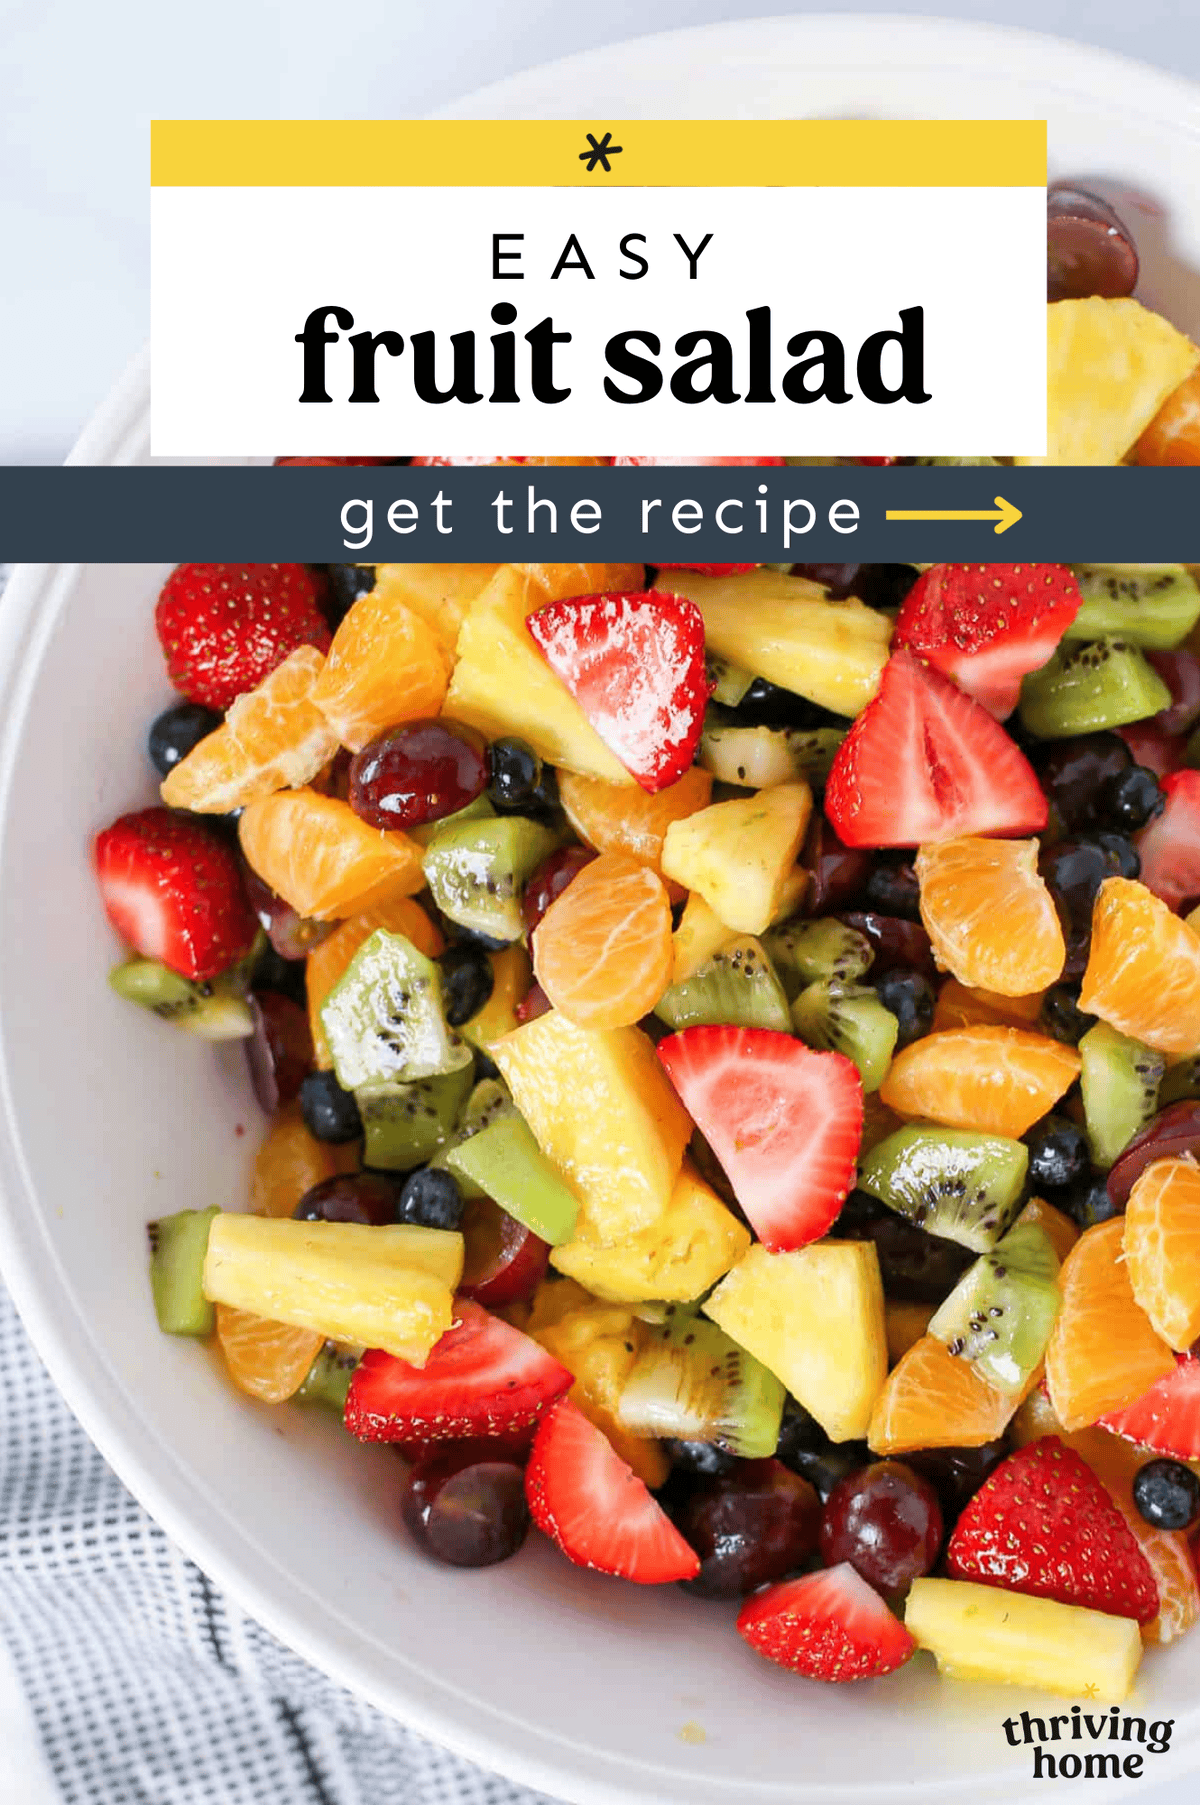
[[805, 952], [508, 1166], [1119, 1079], [1151, 605], [1180, 1084], [219, 1010], [849, 1019], [737, 986], [950, 1181], [328, 1378], [477, 870], [690, 1382], [178, 1245], [1084, 689], [1000, 1314], [756, 757], [486, 1104], [479, 810], [384, 1018], [404, 1125], [729, 681]]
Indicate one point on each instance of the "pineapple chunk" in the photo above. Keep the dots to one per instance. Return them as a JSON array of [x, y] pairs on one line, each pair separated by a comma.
[[389, 1288], [502, 685], [1110, 366], [603, 1112], [815, 1318], [700, 934], [674, 1261], [440, 593], [984, 1633], [740, 855], [599, 1345], [785, 629]]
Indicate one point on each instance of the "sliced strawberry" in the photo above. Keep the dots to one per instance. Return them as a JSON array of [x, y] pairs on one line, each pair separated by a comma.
[[924, 762], [1180, 671], [1044, 1524], [730, 463], [989, 625], [1169, 847], [711, 570], [172, 887], [1152, 747], [874, 460], [505, 1261], [635, 665], [483, 1378], [224, 627], [829, 1625], [588, 1501], [1167, 1417], [784, 1121]]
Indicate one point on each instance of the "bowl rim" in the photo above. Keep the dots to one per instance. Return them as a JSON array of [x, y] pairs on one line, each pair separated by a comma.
[[117, 434]]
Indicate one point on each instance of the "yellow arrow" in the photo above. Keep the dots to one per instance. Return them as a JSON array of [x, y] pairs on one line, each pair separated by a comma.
[[1004, 514]]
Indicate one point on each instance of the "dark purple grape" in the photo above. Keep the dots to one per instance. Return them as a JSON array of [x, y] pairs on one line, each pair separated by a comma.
[[804, 1448], [956, 1474], [1089, 250], [550, 880], [703, 1457], [749, 1526], [917, 1267], [366, 1197], [910, 997], [1180, 671], [886, 1520], [420, 772], [892, 887], [273, 972], [1076, 774], [1172, 1132], [1134, 798], [837, 872], [280, 1050], [346, 582], [467, 982], [467, 1506], [292, 936], [1074, 870], [895, 941], [878, 585]]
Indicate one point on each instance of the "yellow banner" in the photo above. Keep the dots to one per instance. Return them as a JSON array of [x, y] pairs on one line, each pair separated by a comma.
[[642, 153]]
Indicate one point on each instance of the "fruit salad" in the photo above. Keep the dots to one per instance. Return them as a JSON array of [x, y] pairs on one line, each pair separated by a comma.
[[729, 1040]]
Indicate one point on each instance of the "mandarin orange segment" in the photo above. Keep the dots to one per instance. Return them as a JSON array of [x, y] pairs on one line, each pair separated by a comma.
[[273, 738], [1143, 971], [603, 952], [990, 917], [315, 852], [440, 593], [933, 1400], [1162, 1248], [291, 1161], [268, 1360], [617, 817], [557, 582], [1059, 1230], [1173, 436], [998, 1080], [1103, 1351], [386, 665], [327, 962], [960, 1007]]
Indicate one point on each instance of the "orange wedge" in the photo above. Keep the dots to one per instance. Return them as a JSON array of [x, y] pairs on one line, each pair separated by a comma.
[[1162, 1248], [386, 665], [273, 738], [960, 1007], [990, 917], [268, 1360], [618, 817], [291, 1161], [995, 1079], [932, 1399], [1143, 971], [315, 852], [1103, 1351], [603, 952]]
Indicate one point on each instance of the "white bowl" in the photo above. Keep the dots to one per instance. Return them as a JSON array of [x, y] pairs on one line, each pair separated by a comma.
[[570, 1682]]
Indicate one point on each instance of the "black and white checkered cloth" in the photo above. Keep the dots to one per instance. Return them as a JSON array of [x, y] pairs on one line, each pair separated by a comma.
[[147, 1685]]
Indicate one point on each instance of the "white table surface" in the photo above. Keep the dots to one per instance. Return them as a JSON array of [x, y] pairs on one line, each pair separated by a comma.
[[80, 83]]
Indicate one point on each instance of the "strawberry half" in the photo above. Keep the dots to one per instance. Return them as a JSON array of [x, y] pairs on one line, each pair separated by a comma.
[[596, 1509], [989, 625], [829, 1625], [784, 1121], [1044, 1524], [173, 889], [224, 627], [1167, 1417], [923, 762], [1169, 847], [483, 1378], [635, 665], [711, 570]]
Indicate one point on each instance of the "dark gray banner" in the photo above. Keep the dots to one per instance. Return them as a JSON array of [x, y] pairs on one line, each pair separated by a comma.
[[652, 515]]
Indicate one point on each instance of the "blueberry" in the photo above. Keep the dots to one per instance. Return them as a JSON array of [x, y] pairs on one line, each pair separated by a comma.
[[1133, 798], [1061, 1015], [1167, 1494], [516, 774], [467, 982], [1088, 1202], [431, 1199], [176, 731], [1125, 853], [1058, 1153], [346, 583], [700, 1457], [330, 1113], [799, 1434], [826, 1467], [892, 887], [273, 972], [909, 996], [767, 705]]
